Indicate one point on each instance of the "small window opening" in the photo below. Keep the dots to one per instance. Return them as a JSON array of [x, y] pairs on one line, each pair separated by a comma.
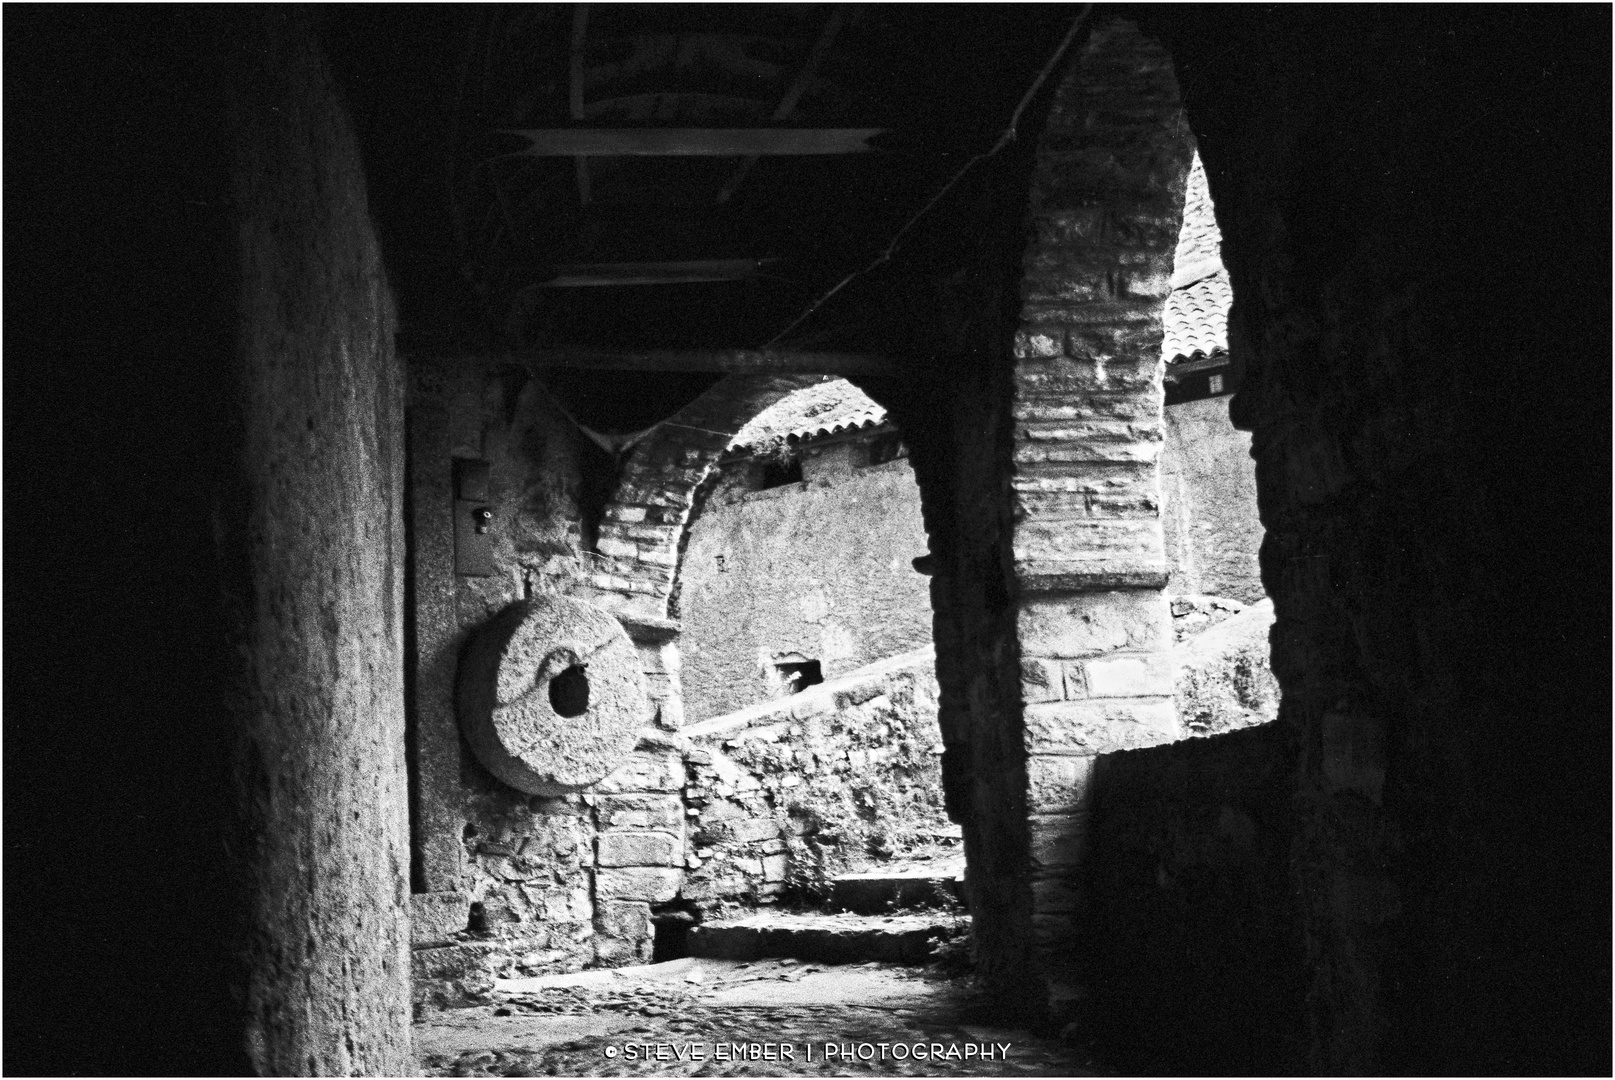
[[569, 692], [780, 473], [671, 930], [888, 447], [798, 676]]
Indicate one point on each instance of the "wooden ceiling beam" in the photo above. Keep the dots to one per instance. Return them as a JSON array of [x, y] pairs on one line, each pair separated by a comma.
[[578, 275], [731, 361], [693, 142], [793, 94], [580, 37]]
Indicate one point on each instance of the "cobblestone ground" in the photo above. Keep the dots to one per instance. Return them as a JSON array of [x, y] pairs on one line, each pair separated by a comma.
[[726, 1018]]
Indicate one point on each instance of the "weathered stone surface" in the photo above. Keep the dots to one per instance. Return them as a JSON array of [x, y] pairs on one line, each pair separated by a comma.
[[823, 571], [455, 974], [1128, 675], [1059, 841], [627, 919], [1208, 499], [436, 918], [1079, 626], [830, 780], [1224, 679], [640, 811], [1057, 783], [551, 696], [879, 891], [317, 538], [645, 771], [744, 832], [1100, 725], [653, 885], [1042, 680], [639, 849]]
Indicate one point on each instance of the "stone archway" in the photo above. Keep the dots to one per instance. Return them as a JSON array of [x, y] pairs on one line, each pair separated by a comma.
[[1067, 656], [644, 521]]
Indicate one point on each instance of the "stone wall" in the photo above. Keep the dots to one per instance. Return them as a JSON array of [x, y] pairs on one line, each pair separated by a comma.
[[320, 718], [1208, 503], [506, 883], [839, 778], [819, 570], [1414, 322]]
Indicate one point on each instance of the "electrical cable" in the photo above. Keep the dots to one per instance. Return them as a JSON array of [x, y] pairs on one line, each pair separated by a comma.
[[1007, 137]]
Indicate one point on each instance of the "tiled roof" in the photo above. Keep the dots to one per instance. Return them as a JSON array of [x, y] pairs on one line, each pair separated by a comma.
[[822, 409], [1197, 311], [1197, 319]]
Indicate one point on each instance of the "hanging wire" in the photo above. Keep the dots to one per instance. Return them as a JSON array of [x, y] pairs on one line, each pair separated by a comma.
[[1004, 140]]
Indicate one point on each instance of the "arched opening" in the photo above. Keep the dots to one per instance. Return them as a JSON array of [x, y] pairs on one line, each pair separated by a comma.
[[808, 672]]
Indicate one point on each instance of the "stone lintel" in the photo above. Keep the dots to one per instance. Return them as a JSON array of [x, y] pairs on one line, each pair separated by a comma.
[[1071, 576]]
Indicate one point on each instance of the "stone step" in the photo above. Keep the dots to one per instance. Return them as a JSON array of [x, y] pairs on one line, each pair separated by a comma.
[[879, 891], [826, 939]]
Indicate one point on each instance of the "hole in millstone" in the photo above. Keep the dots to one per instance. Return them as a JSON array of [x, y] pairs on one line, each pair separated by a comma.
[[569, 692]]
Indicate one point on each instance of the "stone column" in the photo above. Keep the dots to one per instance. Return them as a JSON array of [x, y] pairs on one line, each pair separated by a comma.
[[1092, 622]]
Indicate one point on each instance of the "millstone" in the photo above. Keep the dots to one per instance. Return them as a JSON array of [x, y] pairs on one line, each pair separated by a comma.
[[550, 695]]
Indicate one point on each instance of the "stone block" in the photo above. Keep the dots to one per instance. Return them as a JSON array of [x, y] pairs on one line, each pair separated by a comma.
[[646, 771], [751, 830], [641, 812], [628, 919], [618, 548], [1041, 680], [619, 952], [654, 885], [1100, 726], [468, 965], [1059, 840], [1058, 785], [639, 849], [435, 918], [774, 867], [1132, 675], [1042, 341], [1094, 624]]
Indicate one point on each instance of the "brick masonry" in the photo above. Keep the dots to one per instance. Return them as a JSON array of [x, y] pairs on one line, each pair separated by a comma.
[[637, 553], [1093, 627]]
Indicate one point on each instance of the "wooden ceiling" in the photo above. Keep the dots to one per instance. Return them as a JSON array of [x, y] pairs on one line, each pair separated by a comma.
[[670, 175]]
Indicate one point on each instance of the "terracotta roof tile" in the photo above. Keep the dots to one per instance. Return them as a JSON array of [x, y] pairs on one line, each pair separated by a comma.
[[1196, 315], [822, 409]]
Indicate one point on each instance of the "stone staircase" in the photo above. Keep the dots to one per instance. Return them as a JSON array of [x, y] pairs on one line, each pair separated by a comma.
[[896, 915]]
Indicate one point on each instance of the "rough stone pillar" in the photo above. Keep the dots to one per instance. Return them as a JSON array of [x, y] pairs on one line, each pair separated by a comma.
[[320, 717], [1092, 623]]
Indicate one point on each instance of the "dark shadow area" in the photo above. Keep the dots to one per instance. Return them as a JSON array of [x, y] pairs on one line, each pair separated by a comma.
[[1194, 937], [119, 893]]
